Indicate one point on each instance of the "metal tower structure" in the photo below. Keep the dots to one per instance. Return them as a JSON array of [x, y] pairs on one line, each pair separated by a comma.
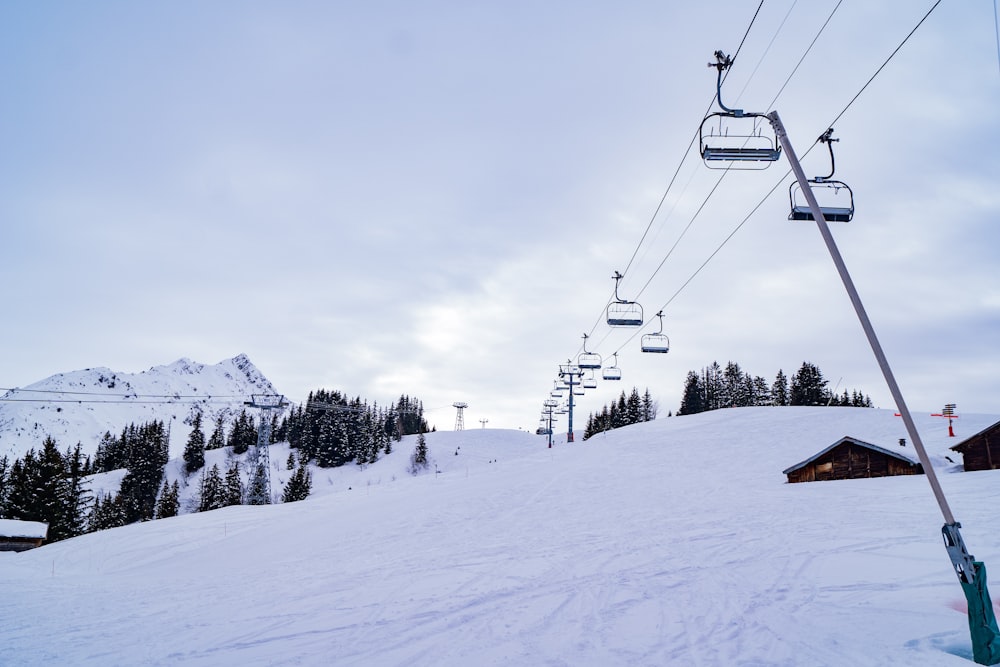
[[484, 422], [259, 490], [570, 374], [460, 416]]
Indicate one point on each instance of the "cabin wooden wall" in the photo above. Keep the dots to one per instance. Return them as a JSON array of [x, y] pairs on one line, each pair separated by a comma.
[[20, 543], [982, 452], [851, 461]]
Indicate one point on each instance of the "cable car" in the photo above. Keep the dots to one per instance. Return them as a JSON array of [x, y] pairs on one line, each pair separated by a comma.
[[734, 138], [590, 382], [622, 313], [612, 372], [835, 198], [656, 342], [588, 360]]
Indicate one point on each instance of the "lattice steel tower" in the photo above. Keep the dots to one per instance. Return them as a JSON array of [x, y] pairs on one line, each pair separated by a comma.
[[460, 417], [259, 489]]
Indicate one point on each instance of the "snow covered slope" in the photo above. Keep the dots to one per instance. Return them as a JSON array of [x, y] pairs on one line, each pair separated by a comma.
[[81, 406], [673, 542]]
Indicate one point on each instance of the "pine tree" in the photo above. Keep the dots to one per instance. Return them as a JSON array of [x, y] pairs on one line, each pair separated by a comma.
[[779, 390], [147, 450], [4, 486], [77, 496], [194, 451], [299, 485], [648, 407], [168, 504], [232, 490], [244, 434], [211, 490], [693, 400], [808, 386], [418, 460], [218, 438]]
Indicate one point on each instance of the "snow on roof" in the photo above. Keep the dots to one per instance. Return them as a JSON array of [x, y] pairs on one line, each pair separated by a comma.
[[904, 453], [15, 528]]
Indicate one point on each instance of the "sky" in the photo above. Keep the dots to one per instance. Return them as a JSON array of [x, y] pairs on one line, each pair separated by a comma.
[[431, 198]]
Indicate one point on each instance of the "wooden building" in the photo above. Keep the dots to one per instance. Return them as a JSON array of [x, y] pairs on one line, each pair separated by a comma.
[[22, 535], [981, 451], [850, 458]]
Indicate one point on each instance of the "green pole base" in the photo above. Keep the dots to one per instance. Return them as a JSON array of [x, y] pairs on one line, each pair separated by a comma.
[[982, 620]]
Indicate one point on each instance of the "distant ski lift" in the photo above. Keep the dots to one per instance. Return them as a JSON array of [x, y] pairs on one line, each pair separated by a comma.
[[734, 138], [622, 313], [612, 372], [835, 198], [656, 342], [590, 382], [588, 360]]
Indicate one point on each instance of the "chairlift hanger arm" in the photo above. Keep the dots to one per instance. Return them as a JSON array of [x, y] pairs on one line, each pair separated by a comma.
[[827, 138], [723, 63]]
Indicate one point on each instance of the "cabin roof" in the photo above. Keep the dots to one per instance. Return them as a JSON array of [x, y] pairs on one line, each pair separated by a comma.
[[31, 529], [904, 454], [965, 444]]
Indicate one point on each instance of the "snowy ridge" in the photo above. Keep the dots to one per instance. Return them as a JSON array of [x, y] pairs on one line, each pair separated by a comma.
[[80, 406], [672, 542]]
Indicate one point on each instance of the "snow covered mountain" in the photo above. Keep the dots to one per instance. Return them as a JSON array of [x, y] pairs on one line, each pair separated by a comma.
[[80, 406], [671, 542]]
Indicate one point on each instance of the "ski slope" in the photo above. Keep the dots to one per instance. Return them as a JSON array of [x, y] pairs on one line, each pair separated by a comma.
[[673, 542]]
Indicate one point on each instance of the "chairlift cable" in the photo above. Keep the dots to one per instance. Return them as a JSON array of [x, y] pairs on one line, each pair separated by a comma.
[[782, 179], [804, 54], [882, 66], [688, 150], [767, 50], [996, 29]]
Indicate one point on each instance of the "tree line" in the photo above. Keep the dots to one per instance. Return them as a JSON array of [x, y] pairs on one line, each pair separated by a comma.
[[328, 430], [730, 387], [623, 412]]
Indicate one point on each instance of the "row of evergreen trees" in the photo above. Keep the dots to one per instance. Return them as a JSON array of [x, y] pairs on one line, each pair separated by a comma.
[[330, 430], [731, 387], [46, 486], [333, 431], [49, 486], [623, 412]]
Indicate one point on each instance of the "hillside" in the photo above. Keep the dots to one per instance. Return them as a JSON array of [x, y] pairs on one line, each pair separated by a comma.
[[669, 542], [80, 406]]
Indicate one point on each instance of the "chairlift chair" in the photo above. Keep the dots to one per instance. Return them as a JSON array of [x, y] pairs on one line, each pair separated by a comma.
[[622, 313], [835, 198], [588, 360], [656, 342], [590, 382], [734, 138], [612, 372]]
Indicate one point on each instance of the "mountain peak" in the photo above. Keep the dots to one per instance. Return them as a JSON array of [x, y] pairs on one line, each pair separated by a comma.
[[80, 406]]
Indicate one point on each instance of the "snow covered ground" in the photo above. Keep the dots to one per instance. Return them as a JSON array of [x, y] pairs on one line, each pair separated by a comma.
[[674, 542]]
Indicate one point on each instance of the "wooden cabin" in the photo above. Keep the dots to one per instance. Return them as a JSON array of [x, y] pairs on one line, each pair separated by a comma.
[[22, 535], [850, 458], [981, 451]]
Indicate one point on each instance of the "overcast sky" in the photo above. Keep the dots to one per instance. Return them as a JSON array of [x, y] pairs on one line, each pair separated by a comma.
[[431, 198]]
